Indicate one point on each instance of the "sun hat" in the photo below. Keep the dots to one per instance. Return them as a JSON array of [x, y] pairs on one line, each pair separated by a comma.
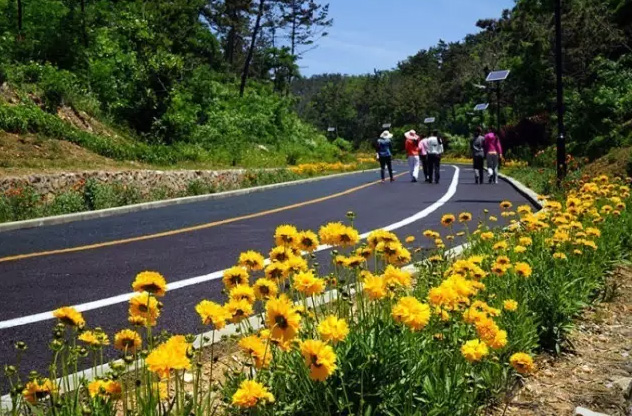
[[411, 135], [386, 135]]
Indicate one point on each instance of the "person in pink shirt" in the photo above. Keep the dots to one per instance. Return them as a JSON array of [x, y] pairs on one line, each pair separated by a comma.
[[423, 155], [493, 152]]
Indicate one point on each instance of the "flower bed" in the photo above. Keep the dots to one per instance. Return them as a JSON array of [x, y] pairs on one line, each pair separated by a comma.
[[445, 341]]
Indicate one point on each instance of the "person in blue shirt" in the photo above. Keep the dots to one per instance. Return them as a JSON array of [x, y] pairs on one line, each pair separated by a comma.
[[385, 154]]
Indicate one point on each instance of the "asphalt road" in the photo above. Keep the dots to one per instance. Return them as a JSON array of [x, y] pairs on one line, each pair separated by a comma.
[[33, 286]]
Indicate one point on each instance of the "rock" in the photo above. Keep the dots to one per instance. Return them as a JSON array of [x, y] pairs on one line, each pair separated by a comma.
[[582, 411], [625, 384]]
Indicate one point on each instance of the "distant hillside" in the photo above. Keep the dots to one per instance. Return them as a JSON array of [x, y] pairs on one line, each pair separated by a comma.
[[159, 85]]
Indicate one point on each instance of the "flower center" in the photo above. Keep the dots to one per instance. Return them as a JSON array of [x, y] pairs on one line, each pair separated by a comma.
[[281, 321]]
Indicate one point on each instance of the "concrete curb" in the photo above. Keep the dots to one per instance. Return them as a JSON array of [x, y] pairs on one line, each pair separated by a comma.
[[528, 193], [88, 215]]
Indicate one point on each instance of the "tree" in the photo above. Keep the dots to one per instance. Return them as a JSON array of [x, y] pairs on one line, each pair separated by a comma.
[[251, 49]]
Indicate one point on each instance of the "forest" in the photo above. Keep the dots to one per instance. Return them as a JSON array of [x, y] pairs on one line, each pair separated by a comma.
[[201, 80], [218, 81], [447, 80]]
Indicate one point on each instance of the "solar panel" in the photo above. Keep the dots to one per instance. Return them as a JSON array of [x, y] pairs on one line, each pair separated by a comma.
[[481, 107], [429, 120], [498, 75], [386, 125], [331, 129]]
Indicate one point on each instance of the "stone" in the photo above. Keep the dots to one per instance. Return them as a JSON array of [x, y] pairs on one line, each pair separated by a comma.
[[625, 384], [582, 411]]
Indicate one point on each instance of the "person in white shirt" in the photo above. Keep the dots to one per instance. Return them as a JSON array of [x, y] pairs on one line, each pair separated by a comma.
[[423, 156], [435, 150]]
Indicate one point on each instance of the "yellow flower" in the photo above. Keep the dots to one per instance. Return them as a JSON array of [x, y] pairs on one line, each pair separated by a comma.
[[524, 209], [519, 249], [523, 269], [430, 234], [169, 356], [522, 363], [38, 389], [307, 241], [320, 358], [474, 350], [265, 289], [145, 307], [251, 260], [239, 309], [410, 239], [296, 264], [493, 218], [412, 313], [559, 256], [486, 236], [593, 232], [212, 313], [282, 319], [506, 205], [338, 234], [277, 271], [105, 389], [257, 349], [499, 341], [578, 252], [504, 260], [435, 259], [286, 235], [308, 284], [235, 276], [151, 282], [355, 261], [381, 236], [499, 269], [69, 316], [333, 330], [127, 341], [251, 394], [281, 254], [243, 292], [375, 287], [364, 252], [525, 241], [95, 339], [476, 259], [501, 245], [448, 220], [510, 305], [394, 277], [465, 217]]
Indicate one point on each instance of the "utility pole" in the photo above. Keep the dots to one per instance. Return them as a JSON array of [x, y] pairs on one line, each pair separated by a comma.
[[561, 140]]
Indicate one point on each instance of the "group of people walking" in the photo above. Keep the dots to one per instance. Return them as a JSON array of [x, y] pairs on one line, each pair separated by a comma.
[[424, 155], [423, 152]]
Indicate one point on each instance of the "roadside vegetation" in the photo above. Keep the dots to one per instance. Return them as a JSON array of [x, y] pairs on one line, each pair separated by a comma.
[[23, 202], [371, 338]]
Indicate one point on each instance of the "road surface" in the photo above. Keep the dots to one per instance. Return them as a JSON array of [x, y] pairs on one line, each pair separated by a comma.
[[92, 263]]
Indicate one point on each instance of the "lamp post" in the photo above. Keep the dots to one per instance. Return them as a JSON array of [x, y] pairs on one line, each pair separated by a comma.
[[561, 140], [497, 77]]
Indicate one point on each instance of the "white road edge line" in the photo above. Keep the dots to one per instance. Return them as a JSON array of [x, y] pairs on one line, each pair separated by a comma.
[[44, 316]]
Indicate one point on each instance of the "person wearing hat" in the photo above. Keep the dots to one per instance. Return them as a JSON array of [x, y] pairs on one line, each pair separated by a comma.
[[385, 153], [412, 151]]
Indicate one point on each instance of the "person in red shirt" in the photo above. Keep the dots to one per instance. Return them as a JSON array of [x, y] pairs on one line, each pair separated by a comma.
[[494, 152], [412, 151]]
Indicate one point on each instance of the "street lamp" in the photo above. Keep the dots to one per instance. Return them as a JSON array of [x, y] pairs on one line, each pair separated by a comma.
[[561, 140], [333, 130], [386, 126], [497, 77]]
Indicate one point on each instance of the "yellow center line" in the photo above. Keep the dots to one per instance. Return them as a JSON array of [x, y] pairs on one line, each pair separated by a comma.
[[187, 229]]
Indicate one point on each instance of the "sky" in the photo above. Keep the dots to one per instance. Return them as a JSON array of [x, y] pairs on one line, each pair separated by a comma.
[[377, 34]]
